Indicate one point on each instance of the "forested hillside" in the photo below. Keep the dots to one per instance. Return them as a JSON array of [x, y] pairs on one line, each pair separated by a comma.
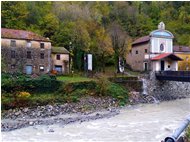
[[101, 28]]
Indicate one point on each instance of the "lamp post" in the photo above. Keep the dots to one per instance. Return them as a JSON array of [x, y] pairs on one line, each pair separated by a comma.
[[70, 59]]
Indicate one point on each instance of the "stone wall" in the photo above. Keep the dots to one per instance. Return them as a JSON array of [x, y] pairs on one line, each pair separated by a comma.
[[20, 61], [166, 90], [136, 61]]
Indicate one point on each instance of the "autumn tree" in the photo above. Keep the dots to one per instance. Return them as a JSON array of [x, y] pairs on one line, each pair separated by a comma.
[[119, 42]]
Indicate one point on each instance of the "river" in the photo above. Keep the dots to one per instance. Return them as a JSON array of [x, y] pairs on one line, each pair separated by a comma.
[[139, 123]]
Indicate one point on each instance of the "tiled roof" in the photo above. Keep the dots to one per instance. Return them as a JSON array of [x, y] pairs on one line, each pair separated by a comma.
[[164, 55], [60, 50], [178, 48], [141, 40], [21, 34]]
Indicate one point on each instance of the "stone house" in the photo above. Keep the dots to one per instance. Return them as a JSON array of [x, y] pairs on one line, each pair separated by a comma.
[[153, 52], [60, 60], [184, 53], [25, 51]]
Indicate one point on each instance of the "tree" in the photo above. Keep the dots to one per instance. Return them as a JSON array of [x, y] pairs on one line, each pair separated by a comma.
[[119, 42], [103, 47], [14, 14]]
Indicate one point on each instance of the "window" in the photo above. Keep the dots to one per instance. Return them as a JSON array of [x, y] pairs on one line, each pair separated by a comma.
[[145, 50], [13, 43], [41, 45], [28, 44], [58, 57], [41, 68], [162, 47], [137, 52], [13, 54], [42, 56], [29, 56]]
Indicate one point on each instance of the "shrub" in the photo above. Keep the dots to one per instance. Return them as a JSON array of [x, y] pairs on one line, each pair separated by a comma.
[[23, 95], [102, 86], [187, 134], [20, 82], [118, 92]]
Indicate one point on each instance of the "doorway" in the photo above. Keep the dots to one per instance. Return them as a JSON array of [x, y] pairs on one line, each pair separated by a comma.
[[162, 65], [145, 66], [28, 69]]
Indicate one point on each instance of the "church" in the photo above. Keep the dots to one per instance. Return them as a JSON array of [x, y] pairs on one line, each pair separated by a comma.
[[154, 52]]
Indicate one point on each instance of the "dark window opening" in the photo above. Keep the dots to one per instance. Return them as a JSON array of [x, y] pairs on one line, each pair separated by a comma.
[[58, 57], [162, 47], [13, 54], [29, 55], [41, 68], [42, 55], [13, 43], [41, 45], [145, 50], [137, 52]]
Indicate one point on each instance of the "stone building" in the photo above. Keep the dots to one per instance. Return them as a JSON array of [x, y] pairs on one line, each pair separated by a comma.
[[25, 51], [153, 52], [60, 58]]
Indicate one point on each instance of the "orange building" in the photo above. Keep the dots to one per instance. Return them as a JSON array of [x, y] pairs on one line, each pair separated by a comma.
[[184, 53]]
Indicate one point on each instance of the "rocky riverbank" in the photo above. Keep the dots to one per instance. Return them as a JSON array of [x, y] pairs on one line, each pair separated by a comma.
[[88, 108]]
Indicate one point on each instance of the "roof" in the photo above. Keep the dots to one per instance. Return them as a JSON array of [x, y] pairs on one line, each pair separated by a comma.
[[161, 33], [165, 55], [141, 40], [21, 34], [60, 50], [179, 48]]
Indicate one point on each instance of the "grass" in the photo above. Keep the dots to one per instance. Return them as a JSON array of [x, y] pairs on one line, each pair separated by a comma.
[[73, 78]]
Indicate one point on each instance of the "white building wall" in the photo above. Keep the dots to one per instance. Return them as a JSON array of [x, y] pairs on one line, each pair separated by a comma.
[[155, 45], [156, 65]]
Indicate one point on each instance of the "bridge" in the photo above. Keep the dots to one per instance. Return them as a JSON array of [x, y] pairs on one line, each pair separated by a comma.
[[182, 76]]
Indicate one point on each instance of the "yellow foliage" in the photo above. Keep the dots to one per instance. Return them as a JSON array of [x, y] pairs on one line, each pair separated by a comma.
[[185, 64], [23, 95]]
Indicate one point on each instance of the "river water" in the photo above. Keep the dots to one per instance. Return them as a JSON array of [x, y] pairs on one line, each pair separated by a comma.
[[139, 123]]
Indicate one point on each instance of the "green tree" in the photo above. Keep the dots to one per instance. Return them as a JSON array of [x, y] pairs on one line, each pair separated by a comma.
[[14, 14]]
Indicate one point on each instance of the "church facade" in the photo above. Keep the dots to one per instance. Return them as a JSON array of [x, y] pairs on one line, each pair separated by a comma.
[[154, 52]]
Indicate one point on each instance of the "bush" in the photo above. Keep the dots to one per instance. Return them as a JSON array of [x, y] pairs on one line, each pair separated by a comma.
[[118, 92], [187, 134], [20, 82], [102, 86], [70, 87]]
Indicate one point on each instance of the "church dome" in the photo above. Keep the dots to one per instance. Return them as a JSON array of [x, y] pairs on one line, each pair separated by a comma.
[[161, 32]]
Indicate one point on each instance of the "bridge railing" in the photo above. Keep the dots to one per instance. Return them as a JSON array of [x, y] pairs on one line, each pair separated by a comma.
[[173, 73], [183, 76]]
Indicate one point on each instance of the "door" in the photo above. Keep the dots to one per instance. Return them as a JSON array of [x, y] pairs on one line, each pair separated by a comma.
[[28, 69], [162, 65], [58, 69], [145, 66]]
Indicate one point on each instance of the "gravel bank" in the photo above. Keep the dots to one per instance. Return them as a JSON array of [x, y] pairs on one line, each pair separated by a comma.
[[89, 108]]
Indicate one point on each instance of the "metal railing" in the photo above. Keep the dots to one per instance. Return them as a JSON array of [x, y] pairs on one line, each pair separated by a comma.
[[183, 76], [178, 131], [174, 73]]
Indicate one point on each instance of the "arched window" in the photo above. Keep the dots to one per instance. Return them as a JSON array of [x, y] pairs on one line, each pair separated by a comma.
[[161, 47]]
